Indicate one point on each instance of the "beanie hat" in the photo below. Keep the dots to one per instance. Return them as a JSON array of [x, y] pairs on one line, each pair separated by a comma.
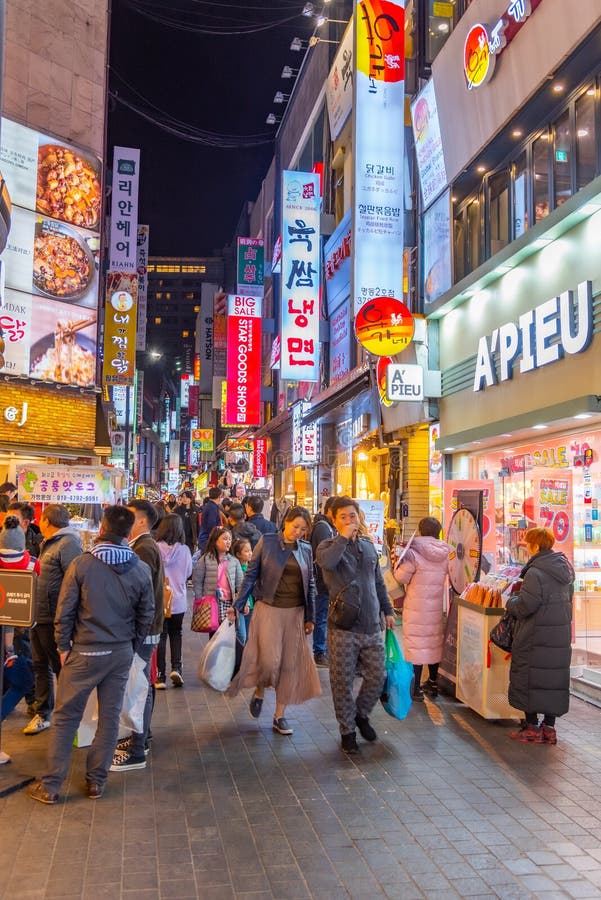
[[12, 541]]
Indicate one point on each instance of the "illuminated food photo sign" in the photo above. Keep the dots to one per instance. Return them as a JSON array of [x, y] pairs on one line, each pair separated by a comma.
[[48, 320], [378, 159]]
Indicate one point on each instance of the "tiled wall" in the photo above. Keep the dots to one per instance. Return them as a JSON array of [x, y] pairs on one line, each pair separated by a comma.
[[54, 76]]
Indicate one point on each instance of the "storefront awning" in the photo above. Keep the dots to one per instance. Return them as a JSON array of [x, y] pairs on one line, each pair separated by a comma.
[[326, 405], [525, 426]]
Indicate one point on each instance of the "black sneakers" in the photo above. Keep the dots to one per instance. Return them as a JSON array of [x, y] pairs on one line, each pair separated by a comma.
[[366, 730], [430, 688], [255, 706], [348, 743]]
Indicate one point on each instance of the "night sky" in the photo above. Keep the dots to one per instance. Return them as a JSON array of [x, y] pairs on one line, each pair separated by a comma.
[[191, 195]]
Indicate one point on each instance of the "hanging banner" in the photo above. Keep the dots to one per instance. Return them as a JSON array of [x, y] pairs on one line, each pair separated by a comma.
[[124, 210], [378, 160], [428, 144], [68, 484], [339, 90], [260, 458], [251, 266], [120, 317], [243, 400], [305, 438], [142, 267], [300, 276]]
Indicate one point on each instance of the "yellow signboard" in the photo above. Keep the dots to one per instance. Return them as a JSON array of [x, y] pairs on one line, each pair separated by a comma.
[[120, 318]]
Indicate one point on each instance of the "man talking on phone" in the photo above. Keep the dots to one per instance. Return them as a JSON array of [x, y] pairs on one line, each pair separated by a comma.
[[358, 600]]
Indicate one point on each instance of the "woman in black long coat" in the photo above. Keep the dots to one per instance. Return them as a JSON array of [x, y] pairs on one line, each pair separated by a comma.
[[539, 678]]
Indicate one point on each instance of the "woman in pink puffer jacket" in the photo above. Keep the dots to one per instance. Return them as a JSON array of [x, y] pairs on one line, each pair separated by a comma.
[[423, 570]]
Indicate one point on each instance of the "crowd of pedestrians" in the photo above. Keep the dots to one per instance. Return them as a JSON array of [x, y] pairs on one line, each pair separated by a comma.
[[304, 594]]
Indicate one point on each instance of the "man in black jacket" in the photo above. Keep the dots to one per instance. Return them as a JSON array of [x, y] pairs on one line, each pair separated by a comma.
[[323, 528], [61, 546], [240, 528], [253, 506], [350, 559], [105, 608], [130, 752], [210, 516]]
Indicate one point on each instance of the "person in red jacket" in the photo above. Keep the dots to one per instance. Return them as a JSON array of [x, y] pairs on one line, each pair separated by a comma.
[[13, 554]]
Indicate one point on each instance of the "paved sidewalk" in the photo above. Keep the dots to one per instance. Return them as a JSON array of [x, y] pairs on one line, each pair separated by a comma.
[[444, 805]]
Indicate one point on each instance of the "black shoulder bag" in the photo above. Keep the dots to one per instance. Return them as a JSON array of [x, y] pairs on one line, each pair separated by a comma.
[[345, 606]]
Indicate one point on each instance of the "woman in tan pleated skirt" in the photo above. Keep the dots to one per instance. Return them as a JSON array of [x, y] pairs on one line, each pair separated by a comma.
[[277, 655]]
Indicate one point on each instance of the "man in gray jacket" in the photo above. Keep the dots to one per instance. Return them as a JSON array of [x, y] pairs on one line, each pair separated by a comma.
[[105, 608], [61, 546], [349, 559]]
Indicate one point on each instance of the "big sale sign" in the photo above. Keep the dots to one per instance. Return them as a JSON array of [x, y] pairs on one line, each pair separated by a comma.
[[243, 403]]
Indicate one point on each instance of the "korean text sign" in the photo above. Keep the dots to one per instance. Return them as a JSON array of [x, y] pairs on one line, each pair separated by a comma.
[[66, 484], [260, 458], [378, 136], [120, 329], [124, 210], [142, 267], [251, 265], [300, 276], [243, 400]]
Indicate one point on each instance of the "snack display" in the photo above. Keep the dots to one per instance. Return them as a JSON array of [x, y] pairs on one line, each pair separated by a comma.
[[62, 265], [481, 595], [68, 186]]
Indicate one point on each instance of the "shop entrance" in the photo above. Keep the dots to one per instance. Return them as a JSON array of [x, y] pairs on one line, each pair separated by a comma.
[[555, 484]]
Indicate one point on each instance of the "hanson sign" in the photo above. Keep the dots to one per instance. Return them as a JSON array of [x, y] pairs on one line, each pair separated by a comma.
[[560, 326]]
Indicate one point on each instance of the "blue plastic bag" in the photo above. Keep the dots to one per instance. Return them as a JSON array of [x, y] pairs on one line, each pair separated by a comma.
[[398, 687]]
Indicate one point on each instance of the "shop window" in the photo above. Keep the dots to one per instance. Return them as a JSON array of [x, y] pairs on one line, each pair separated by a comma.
[[498, 187], [190, 295], [436, 21], [562, 161], [520, 196], [540, 159], [473, 235], [586, 143], [459, 246]]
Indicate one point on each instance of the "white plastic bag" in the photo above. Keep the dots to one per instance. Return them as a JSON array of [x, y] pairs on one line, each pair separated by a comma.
[[134, 698], [216, 666]]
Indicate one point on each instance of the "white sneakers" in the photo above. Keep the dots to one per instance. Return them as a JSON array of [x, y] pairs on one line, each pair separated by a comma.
[[36, 725]]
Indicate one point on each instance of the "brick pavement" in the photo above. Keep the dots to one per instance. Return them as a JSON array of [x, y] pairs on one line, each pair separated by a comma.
[[444, 805]]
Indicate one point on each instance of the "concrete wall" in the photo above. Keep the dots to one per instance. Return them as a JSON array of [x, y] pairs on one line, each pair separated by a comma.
[[469, 119], [54, 76]]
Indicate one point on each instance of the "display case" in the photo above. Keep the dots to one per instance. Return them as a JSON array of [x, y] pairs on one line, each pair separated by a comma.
[[587, 567], [482, 668]]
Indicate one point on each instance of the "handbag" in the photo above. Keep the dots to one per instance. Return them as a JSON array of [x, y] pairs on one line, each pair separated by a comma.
[[345, 606], [205, 614], [397, 691], [502, 633], [167, 597]]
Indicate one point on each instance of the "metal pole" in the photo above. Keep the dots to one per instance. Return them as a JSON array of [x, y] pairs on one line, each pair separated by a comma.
[[127, 435]]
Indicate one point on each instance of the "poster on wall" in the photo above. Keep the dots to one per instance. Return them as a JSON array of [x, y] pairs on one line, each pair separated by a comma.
[[437, 249], [378, 159], [340, 342], [374, 512], [339, 89], [551, 507], [300, 281], [428, 144]]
